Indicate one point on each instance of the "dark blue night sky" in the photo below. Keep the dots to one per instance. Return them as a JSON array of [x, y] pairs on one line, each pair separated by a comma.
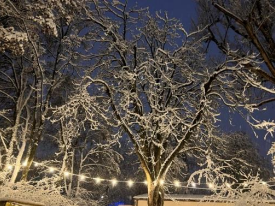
[[184, 10]]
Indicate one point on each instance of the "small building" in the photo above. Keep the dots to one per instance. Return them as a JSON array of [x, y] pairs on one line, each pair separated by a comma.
[[18, 202], [187, 200]]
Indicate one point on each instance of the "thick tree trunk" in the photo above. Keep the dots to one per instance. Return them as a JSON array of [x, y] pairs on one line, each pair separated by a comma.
[[155, 194], [32, 152]]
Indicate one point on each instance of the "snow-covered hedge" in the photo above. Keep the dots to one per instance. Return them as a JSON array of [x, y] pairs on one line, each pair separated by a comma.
[[42, 192]]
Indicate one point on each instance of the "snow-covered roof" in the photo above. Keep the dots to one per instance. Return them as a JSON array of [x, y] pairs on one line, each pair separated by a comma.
[[174, 197], [190, 197], [23, 202]]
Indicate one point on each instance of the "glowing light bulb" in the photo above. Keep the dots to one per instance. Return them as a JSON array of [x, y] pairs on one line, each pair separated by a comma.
[[211, 186], [24, 164], [114, 182], [9, 167], [97, 180], [130, 183], [66, 174], [82, 177], [177, 183], [193, 184], [51, 169]]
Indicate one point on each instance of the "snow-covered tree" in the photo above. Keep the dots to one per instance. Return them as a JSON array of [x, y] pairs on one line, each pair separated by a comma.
[[38, 56], [86, 149], [135, 75], [240, 28], [246, 27], [154, 85], [228, 158]]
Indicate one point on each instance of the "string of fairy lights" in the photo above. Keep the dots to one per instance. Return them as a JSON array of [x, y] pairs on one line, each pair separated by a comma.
[[130, 183]]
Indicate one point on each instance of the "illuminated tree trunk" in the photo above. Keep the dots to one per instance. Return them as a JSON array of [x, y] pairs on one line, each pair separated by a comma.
[[155, 194], [18, 162], [22, 149]]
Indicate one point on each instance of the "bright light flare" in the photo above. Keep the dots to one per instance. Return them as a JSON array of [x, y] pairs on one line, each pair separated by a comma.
[[211, 185], [82, 177], [114, 182], [97, 180], [177, 183], [130, 183], [9, 167], [24, 164], [193, 184], [51, 169], [66, 174]]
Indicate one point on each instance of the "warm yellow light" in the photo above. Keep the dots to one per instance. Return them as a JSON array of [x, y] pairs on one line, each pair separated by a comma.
[[24, 164], [211, 186], [66, 174], [130, 183], [9, 167], [177, 183], [51, 169], [36, 164], [145, 182], [97, 180], [82, 177], [114, 182], [161, 182]]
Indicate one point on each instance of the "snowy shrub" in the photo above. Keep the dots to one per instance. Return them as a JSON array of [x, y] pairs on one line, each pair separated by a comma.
[[252, 192], [42, 191]]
